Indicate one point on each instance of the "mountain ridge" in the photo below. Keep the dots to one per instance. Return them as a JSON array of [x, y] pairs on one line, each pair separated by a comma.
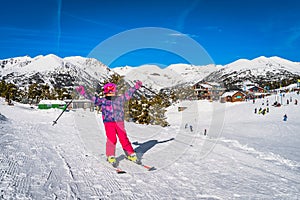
[[52, 70]]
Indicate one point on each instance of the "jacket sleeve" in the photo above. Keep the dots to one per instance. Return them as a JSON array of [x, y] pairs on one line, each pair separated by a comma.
[[89, 97], [98, 101], [128, 94]]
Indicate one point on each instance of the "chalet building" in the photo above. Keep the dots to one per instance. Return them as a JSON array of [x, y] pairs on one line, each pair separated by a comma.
[[208, 90], [234, 96], [48, 104], [256, 92], [256, 89], [81, 103], [202, 90]]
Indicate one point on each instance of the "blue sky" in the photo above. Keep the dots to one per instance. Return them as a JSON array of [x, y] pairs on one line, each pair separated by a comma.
[[227, 29]]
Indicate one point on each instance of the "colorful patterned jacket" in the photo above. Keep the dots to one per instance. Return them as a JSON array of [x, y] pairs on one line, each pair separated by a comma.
[[113, 108]]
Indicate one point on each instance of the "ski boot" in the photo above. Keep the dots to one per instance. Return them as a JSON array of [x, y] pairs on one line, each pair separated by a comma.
[[134, 158], [112, 160]]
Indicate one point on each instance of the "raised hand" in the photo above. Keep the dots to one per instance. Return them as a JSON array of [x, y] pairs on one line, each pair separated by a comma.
[[138, 84], [80, 89]]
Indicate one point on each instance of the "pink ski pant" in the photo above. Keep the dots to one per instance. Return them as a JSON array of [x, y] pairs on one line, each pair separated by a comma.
[[112, 130]]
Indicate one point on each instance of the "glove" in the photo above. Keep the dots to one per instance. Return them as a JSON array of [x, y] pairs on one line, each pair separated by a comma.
[[80, 90], [138, 84]]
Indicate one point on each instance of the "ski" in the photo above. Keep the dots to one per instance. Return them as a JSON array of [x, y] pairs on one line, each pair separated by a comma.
[[119, 170], [149, 168], [139, 163]]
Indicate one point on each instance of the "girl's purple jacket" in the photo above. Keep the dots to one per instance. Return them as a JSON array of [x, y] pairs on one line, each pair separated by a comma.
[[113, 109]]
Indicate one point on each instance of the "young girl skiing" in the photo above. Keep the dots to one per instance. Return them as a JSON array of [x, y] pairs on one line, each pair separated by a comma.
[[112, 108]]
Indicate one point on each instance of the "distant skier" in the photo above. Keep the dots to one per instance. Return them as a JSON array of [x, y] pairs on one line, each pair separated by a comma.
[[296, 101], [285, 117], [112, 108], [255, 110], [205, 132], [191, 128]]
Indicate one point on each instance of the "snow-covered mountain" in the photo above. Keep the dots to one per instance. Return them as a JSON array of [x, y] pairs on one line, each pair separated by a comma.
[[150, 75], [259, 70], [53, 70], [193, 73], [64, 72], [173, 75]]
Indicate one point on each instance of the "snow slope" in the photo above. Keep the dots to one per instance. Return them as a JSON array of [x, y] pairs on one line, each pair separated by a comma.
[[251, 157]]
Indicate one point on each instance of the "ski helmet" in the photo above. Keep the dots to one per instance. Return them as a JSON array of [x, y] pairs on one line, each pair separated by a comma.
[[109, 88]]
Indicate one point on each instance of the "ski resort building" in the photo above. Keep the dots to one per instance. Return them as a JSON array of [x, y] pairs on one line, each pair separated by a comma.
[[81, 103], [75, 104], [256, 92], [208, 90], [47, 104], [234, 96], [256, 89]]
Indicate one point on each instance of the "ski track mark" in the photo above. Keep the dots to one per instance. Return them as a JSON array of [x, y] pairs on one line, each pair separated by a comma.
[[72, 186], [13, 180]]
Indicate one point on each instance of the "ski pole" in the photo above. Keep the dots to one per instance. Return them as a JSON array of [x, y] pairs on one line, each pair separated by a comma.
[[55, 122], [183, 142]]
